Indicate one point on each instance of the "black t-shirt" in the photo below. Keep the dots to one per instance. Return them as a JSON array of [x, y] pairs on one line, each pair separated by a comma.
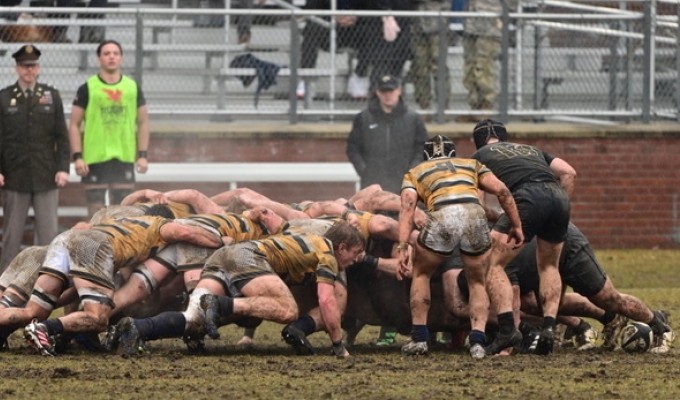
[[515, 164]]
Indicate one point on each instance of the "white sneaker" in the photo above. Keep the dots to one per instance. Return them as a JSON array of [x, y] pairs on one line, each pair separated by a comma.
[[357, 86], [300, 91]]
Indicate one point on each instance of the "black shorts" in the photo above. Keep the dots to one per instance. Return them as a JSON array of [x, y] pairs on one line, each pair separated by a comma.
[[113, 171], [544, 211], [583, 273]]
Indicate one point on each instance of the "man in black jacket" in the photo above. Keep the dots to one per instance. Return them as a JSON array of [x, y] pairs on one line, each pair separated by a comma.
[[34, 154], [386, 138]]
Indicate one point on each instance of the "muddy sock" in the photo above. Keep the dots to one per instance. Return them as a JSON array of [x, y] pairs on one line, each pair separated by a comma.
[[419, 333], [607, 317], [506, 323], [477, 337], [226, 304], [54, 326], [306, 324], [169, 324]]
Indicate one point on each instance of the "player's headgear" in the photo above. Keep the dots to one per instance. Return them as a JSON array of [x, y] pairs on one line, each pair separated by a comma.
[[487, 129], [160, 210], [439, 146]]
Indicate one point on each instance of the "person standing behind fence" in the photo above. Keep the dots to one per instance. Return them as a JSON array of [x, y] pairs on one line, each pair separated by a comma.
[[425, 63], [33, 154], [481, 52], [112, 111], [386, 138]]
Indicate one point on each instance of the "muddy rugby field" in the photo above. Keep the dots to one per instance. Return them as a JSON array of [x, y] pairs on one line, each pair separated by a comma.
[[271, 370]]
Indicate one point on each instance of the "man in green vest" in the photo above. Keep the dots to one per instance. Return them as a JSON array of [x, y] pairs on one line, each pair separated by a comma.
[[109, 131]]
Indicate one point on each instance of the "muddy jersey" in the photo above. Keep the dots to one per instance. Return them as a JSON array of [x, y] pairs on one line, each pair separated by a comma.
[[363, 218], [236, 226], [292, 256], [133, 239], [515, 164], [445, 181], [179, 210], [311, 226]]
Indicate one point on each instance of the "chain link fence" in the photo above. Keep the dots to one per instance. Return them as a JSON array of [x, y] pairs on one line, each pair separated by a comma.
[[611, 61]]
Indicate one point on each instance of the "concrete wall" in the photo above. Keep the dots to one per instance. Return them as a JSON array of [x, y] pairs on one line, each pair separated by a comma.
[[627, 190]]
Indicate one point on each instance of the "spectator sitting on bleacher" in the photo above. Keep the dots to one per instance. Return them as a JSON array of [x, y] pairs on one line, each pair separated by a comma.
[[382, 43], [243, 22]]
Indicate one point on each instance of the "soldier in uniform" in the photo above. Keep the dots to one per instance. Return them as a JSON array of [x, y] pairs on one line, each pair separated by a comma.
[[481, 52], [34, 153], [425, 62]]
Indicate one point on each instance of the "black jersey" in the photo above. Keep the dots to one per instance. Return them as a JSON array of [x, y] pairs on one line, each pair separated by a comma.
[[515, 164]]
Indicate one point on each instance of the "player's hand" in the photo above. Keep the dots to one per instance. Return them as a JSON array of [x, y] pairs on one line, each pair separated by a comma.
[[2, 180], [390, 29], [142, 165], [81, 168], [516, 237]]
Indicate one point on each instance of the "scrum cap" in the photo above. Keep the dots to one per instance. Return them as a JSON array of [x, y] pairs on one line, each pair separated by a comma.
[[438, 147], [487, 129]]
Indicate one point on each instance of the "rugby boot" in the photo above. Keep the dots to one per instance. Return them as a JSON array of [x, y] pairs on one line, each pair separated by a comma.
[[663, 341], [611, 331], [298, 340], [37, 336], [130, 342], [586, 339], [211, 307], [477, 351], [414, 348], [111, 338], [503, 341]]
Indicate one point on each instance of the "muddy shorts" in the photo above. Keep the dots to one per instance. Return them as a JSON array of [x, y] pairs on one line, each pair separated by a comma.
[[236, 265], [182, 256], [92, 257], [57, 259], [463, 225], [21, 274]]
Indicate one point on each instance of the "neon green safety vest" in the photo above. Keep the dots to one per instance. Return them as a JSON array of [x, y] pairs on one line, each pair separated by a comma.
[[110, 123]]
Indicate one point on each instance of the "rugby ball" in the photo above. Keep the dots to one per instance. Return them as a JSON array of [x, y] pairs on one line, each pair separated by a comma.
[[636, 337]]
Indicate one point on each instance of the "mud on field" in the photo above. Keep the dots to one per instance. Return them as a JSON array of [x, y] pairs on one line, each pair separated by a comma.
[[271, 369]]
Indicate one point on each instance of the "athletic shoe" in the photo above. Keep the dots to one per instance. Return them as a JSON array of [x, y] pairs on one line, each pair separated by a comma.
[[612, 330], [663, 342], [301, 90], [386, 338], [357, 87], [195, 343], [503, 341], [298, 340], [586, 339], [414, 348], [211, 307], [111, 338], [477, 351], [130, 342], [37, 336]]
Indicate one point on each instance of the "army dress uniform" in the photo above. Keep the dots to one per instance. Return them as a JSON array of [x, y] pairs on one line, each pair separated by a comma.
[[34, 146]]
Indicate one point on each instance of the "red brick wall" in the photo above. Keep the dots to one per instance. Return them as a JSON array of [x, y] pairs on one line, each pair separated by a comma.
[[627, 190]]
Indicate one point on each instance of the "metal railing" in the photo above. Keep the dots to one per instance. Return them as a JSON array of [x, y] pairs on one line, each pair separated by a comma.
[[559, 60]]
